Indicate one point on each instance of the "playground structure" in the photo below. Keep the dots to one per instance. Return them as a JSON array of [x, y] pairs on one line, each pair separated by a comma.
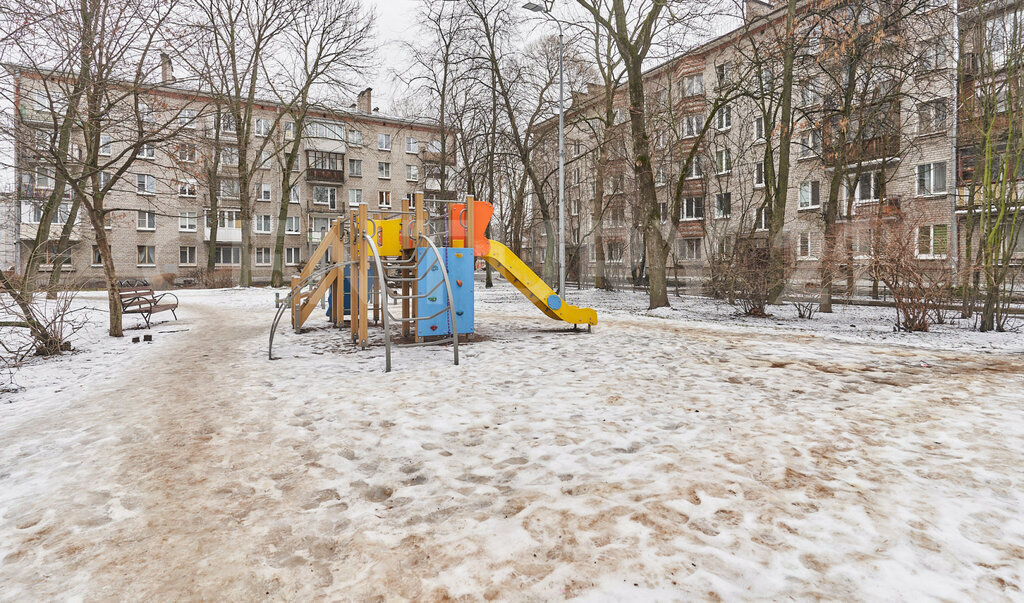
[[419, 265]]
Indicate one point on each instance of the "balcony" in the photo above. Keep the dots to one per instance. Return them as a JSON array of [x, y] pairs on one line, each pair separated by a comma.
[[224, 234], [325, 167], [427, 156]]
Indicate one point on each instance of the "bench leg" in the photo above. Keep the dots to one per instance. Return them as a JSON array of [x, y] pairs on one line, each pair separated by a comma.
[[174, 314]]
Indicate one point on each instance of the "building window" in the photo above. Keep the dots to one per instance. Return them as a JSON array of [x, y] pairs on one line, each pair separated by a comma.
[[931, 178], [145, 184], [722, 73], [412, 145], [723, 205], [355, 138], [147, 255], [695, 169], [263, 257], [97, 257], [187, 119], [931, 117], [412, 173], [227, 255], [692, 208], [693, 84], [146, 151], [933, 54], [265, 192], [384, 170], [227, 218], [690, 249], [810, 143], [355, 197], [355, 168], [723, 161], [693, 125], [229, 157], [325, 195], [187, 187], [262, 127], [291, 256], [187, 221], [759, 128], [227, 123], [809, 93], [805, 247], [758, 174], [263, 224], [384, 199], [146, 220], [265, 159], [615, 252], [229, 188], [761, 218], [810, 194], [104, 145], [723, 118], [289, 130], [383, 142], [187, 153], [293, 225], [294, 194], [186, 255], [932, 241], [869, 187]]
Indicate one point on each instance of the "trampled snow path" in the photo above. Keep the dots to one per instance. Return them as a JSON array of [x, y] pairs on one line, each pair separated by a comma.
[[653, 459]]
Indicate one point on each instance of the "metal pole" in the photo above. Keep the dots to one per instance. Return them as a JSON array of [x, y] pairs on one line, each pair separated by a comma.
[[561, 165]]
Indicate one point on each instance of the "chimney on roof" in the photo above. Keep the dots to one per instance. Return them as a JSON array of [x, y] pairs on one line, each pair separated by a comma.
[[363, 100], [376, 109], [166, 69], [754, 9]]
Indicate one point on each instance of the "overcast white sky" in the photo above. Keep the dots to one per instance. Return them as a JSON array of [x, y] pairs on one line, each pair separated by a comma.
[[396, 22]]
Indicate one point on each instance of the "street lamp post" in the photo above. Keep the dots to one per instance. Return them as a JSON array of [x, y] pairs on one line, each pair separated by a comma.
[[545, 9]]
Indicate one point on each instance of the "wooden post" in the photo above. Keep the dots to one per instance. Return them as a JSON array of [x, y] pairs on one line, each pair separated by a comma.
[[404, 273], [338, 256], [419, 227], [353, 278], [470, 224], [295, 302], [364, 277]]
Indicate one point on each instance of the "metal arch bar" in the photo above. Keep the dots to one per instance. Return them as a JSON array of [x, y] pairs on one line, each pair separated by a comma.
[[451, 299], [287, 302], [385, 315]]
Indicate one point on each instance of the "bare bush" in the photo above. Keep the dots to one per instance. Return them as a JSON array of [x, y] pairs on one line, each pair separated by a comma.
[[758, 273], [806, 308], [920, 283], [42, 327]]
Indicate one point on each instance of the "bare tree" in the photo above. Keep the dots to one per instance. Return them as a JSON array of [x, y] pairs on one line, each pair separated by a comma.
[[86, 99], [325, 50]]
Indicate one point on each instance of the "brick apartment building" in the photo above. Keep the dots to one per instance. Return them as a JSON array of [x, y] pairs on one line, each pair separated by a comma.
[[903, 164], [159, 228]]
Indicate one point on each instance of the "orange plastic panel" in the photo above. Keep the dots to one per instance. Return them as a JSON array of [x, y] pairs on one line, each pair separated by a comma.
[[482, 211]]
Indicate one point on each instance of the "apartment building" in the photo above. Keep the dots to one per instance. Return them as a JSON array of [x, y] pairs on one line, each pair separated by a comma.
[[160, 222], [897, 157]]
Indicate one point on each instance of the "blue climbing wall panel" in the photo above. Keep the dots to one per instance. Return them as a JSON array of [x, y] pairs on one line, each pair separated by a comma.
[[431, 280], [460, 273]]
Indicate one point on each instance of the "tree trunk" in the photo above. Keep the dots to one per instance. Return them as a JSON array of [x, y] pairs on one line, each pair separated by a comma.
[[781, 185], [115, 327], [63, 248]]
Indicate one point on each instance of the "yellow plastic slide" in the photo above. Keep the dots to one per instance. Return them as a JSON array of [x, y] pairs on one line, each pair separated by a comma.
[[529, 284]]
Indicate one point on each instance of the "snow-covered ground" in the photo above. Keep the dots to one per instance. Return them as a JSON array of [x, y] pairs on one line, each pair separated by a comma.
[[678, 454]]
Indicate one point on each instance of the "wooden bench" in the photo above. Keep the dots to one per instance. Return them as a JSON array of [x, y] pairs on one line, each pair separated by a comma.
[[137, 297]]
